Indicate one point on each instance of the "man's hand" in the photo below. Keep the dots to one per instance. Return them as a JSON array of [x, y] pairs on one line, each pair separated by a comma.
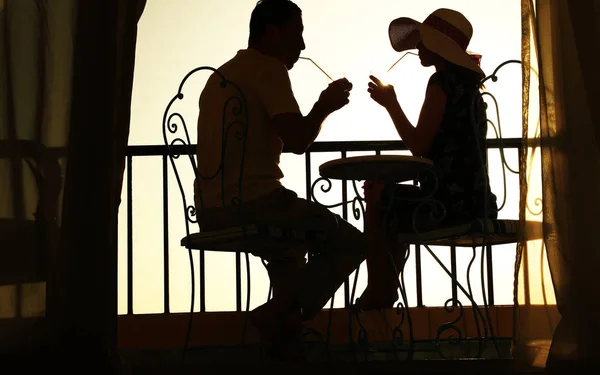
[[381, 93], [335, 96]]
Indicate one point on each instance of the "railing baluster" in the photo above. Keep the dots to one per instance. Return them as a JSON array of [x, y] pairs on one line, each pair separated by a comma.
[[454, 275], [490, 275], [419, 275], [202, 280], [418, 270], [345, 217], [238, 281], [129, 235], [308, 176], [166, 286]]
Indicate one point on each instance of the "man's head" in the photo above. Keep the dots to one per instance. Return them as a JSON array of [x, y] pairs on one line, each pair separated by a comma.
[[276, 29]]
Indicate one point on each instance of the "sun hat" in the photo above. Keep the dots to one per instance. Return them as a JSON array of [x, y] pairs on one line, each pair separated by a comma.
[[445, 32]]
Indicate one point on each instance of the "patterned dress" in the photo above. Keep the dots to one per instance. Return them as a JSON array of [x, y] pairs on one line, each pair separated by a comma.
[[460, 181]]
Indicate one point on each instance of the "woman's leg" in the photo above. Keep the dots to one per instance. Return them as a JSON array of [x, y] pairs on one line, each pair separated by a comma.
[[385, 255]]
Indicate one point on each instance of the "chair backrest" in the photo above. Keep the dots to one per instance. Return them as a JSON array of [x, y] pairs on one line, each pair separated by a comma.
[[496, 126], [435, 210], [176, 136], [480, 131]]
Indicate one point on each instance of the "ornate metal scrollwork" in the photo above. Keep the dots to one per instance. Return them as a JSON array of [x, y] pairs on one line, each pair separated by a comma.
[[427, 211], [358, 208], [363, 335], [478, 317], [398, 339], [397, 333], [176, 137], [191, 214], [326, 188], [450, 307], [174, 123], [538, 204]]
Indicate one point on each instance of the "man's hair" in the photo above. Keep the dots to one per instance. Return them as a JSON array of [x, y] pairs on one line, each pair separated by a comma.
[[271, 12]]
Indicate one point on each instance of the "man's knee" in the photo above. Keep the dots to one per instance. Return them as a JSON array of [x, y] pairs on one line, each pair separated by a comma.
[[350, 236], [291, 255]]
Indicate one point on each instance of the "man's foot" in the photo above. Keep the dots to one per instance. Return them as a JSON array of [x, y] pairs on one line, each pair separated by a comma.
[[280, 332]]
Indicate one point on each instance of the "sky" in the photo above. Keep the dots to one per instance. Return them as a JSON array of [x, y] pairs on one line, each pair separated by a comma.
[[346, 38]]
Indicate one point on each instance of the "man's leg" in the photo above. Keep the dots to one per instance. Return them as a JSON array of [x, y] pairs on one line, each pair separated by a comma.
[[332, 260], [283, 271], [280, 320]]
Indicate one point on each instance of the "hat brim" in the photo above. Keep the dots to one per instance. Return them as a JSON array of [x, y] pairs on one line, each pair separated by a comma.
[[405, 33]]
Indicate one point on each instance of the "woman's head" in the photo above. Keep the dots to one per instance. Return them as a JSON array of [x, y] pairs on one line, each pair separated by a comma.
[[430, 58], [442, 38]]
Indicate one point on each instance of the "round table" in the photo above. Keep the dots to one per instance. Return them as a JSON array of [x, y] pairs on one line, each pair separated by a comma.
[[388, 168]]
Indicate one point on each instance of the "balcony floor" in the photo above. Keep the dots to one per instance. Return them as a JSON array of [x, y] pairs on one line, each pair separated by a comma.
[[338, 359], [335, 365], [152, 344]]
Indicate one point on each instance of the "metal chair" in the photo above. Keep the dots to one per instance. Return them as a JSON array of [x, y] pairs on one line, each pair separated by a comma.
[[243, 239], [480, 233]]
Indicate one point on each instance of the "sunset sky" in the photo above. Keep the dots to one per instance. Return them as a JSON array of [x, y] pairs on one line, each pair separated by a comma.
[[347, 38]]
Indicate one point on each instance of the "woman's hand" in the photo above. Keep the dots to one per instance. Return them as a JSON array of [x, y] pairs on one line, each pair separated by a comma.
[[382, 93]]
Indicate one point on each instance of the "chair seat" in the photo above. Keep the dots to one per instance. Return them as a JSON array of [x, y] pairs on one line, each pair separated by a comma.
[[475, 233], [254, 239]]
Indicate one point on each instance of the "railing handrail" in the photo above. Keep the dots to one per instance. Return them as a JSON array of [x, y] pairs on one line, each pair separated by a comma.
[[331, 146]]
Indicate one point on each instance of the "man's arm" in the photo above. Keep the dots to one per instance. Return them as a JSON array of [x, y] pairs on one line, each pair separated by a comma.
[[298, 132]]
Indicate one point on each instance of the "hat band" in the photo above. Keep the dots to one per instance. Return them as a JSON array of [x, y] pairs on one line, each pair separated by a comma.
[[448, 29]]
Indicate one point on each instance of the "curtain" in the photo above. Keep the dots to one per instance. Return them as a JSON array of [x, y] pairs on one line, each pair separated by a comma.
[[35, 87], [557, 296], [66, 81]]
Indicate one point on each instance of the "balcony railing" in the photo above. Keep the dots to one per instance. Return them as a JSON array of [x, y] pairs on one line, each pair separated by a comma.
[[499, 150]]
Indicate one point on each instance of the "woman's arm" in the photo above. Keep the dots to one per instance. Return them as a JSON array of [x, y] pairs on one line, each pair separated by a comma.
[[417, 139]]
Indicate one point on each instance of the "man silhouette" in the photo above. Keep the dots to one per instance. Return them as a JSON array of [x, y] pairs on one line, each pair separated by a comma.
[[301, 288]]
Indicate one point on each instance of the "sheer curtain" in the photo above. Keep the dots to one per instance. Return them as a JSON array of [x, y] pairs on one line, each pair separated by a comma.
[[36, 49], [557, 295], [66, 72]]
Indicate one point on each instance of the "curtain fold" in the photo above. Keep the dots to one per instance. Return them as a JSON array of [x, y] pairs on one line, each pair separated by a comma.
[[575, 172], [557, 298], [35, 79], [66, 74], [83, 302]]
